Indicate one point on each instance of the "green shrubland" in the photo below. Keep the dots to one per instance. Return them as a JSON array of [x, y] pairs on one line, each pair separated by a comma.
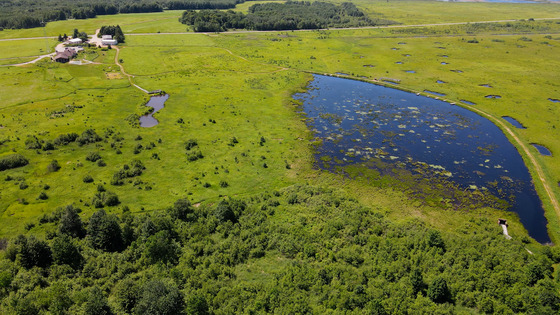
[[298, 249]]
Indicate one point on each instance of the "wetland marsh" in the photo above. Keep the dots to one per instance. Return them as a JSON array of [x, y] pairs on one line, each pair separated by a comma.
[[349, 198], [361, 123]]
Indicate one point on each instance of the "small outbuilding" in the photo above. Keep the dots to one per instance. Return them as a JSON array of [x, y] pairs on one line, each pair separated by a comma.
[[108, 40], [75, 41]]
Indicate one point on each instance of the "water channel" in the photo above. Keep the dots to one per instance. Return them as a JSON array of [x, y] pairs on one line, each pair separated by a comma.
[[359, 122], [156, 102]]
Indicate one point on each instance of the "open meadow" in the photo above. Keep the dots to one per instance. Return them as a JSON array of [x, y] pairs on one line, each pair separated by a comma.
[[223, 198]]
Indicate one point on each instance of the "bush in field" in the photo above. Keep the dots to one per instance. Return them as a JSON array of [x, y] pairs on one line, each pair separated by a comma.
[[88, 179], [48, 146], [93, 156], [233, 141], [43, 196], [135, 169], [66, 138], [88, 136], [194, 155], [53, 166], [33, 143], [191, 143], [12, 161], [105, 199]]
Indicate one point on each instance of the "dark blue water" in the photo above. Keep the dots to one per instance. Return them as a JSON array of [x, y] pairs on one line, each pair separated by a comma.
[[468, 102], [542, 149], [514, 122], [156, 102], [553, 99], [358, 121]]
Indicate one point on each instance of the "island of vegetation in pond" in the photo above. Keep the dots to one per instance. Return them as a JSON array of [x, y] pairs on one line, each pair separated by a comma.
[[292, 15], [363, 126]]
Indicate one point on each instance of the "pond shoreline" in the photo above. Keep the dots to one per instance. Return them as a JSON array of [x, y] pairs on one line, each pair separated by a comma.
[[542, 186]]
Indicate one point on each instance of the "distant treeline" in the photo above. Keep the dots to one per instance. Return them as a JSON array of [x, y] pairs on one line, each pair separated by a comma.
[[31, 13], [291, 15]]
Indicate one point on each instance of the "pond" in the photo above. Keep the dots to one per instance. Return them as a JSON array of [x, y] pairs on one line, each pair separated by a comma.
[[514, 122], [156, 102], [542, 149], [388, 131]]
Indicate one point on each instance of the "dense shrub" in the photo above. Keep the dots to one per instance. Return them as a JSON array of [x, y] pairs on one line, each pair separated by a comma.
[[191, 143], [194, 155], [88, 179], [12, 161], [88, 136], [93, 156], [66, 138], [53, 166], [135, 169]]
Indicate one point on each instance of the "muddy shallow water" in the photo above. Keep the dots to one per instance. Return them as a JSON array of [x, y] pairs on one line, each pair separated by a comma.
[[358, 122]]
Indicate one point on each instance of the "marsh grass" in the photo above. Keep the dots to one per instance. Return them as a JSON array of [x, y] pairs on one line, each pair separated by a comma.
[[240, 85]]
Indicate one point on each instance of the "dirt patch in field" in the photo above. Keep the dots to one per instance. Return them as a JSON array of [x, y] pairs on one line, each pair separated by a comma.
[[113, 75]]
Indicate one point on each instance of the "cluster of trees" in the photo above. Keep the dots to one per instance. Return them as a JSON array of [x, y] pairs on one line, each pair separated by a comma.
[[28, 13], [114, 31], [300, 249], [291, 15]]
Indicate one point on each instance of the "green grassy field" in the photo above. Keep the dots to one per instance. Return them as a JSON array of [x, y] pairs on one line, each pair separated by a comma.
[[240, 85], [425, 12]]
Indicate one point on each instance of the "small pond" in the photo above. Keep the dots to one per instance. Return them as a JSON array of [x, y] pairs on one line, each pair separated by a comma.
[[542, 149], [156, 102], [514, 122], [410, 71], [486, 85], [440, 82], [493, 96], [554, 100], [468, 102], [388, 131]]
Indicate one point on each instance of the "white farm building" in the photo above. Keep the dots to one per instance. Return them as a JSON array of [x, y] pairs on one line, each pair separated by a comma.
[[108, 40], [75, 41]]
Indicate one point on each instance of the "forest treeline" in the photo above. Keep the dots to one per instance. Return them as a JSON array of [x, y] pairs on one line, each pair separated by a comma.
[[301, 249], [291, 15], [16, 14]]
